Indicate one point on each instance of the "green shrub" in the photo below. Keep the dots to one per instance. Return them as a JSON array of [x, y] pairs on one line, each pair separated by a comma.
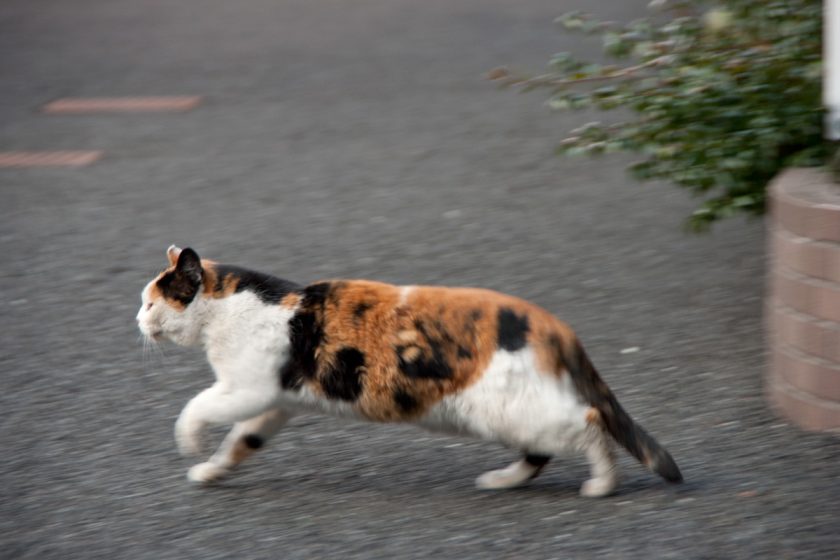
[[721, 95]]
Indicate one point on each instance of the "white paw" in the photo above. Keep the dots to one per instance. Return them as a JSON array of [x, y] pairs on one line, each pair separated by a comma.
[[188, 437], [598, 487], [514, 475], [206, 472]]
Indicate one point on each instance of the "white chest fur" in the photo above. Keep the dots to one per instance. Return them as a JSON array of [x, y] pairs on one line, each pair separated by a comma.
[[246, 340]]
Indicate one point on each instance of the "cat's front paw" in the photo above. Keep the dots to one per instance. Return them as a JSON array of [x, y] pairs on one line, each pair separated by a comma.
[[514, 475], [188, 437], [205, 473]]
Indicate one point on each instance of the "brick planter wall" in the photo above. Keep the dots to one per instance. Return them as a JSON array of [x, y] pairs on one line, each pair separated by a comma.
[[803, 306]]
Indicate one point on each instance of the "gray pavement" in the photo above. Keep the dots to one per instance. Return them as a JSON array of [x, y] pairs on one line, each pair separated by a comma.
[[358, 139]]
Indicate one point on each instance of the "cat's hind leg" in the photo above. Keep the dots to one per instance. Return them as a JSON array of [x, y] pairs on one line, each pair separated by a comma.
[[515, 474], [602, 467], [240, 443]]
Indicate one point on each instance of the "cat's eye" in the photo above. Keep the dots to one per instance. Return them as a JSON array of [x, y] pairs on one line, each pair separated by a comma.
[[149, 305]]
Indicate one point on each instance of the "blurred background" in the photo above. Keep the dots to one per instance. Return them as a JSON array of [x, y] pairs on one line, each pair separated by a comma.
[[361, 139]]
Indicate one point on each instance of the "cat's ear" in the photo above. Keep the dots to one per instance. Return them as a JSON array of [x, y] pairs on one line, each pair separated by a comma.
[[188, 266], [172, 254]]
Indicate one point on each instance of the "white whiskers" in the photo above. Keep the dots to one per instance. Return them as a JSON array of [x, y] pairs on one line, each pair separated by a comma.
[[151, 347]]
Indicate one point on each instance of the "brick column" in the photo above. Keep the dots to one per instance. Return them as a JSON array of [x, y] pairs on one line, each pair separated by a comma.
[[803, 306]]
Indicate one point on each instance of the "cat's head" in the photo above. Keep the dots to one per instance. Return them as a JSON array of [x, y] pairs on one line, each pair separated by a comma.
[[171, 303]]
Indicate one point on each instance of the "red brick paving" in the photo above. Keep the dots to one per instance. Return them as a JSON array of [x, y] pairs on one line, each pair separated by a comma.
[[69, 105], [64, 158]]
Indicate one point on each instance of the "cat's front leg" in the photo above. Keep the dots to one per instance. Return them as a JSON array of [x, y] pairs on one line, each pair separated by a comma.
[[188, 430], [218, 405], [243, 440]]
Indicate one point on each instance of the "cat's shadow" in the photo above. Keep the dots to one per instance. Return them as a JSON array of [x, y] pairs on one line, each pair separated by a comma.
[[313, 488], [635, 487]]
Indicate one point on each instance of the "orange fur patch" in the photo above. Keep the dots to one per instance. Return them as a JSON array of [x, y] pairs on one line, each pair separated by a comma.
[[239, 452], [421, 346], [216, 287], [291, 300]]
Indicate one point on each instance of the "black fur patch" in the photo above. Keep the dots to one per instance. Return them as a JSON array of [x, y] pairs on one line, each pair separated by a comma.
[[513, 329], [405, 402], [344, 380], [536, 460], [182, 283], [306, 335], [253, 441], [269, 289], [425, 366], [360, 310], [315, 295], [178, 287], [291, 377], [428, 365]]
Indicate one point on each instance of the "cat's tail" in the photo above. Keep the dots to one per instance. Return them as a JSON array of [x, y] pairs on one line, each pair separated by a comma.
[[614, 418]]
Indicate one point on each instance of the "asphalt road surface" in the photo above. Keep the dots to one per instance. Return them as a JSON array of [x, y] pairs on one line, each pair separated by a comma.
[[359, 139]]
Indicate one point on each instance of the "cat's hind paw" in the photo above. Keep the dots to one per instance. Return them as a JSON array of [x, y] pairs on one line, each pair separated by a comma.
[[598, 487], [205, 473]]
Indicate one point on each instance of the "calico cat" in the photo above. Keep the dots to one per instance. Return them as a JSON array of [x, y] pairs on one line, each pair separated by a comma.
[[458, 360]]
